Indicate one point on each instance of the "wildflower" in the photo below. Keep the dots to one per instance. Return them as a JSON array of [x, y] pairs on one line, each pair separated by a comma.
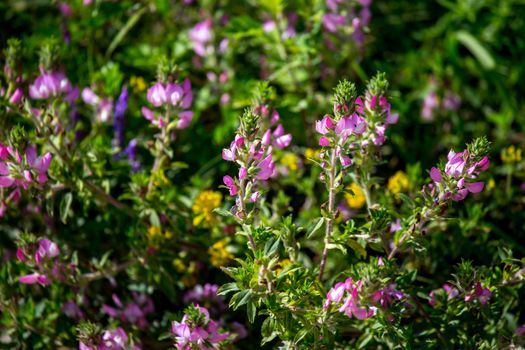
[[134, 312], [137, 83], [72, 310], [511, 155], [168, 96], [49, 84], [355, 198], [219, 255], [197, 330], [290, 160], [395, 226], [520, 330], [204, 205], [459, 174], [384, 297], [398, 182], [131, 152], [479, 293], [346, 297], [310, 153], [430, 104], [206, 295], [119, 120], [200, 35]]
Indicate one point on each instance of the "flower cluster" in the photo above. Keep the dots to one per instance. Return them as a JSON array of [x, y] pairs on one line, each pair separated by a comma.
[[115, 339], [103, 106], [40, 257], [456, 180], [432, 102], [346, 296], [252, 151], [357, 122], [479, 293], [338, 16], [170, 96], [204, 205], [17, 171], [49, 84], [201, 35], [206, 295], [197, 330], [134, 312], [384, 297]]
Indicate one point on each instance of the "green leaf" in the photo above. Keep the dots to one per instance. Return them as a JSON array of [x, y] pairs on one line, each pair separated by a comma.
[[252, 311], [222, 212], [124, 31], [65, 206], [357, 248], [475, 47], [314, 227], [227, 288], [240, 298], [271, 247]]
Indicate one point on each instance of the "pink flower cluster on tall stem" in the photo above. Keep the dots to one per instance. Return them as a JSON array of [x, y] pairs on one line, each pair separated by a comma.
[[175, 99], [197, 331], [253, 153], [346, 297], [457, 179]]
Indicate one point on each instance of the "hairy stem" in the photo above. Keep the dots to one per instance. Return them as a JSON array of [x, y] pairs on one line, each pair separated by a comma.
[[331, 212]]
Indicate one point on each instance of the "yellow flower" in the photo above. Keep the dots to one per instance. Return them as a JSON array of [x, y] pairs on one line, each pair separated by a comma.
[[203, 207], [511, 154], [356, 200], [290, 161], [398, 182], [310, 153], [219, 255], [491, 184], [154, 232], [137, 83], [282, 264]]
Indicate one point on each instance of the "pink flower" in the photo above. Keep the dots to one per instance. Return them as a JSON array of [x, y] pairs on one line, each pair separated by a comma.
[[200, 35], [280, 139], [184, 119], [324, 142], [89, 97], [331, 21], [230, 183], [324, 125], [157, 95], [265, 168], [435, 175], [46, 248], [34, 278], [16, 97]]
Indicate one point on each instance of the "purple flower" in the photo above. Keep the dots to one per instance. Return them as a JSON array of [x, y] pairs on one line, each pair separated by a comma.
[[200, 35], [119, 119]]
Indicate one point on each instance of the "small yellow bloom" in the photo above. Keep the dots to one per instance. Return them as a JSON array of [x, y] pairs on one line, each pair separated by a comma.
[[511, 154], [491, 184], [179, 265], [153, 232], [219, 255], [356, 200], [137, 83], [290, 161], [282, 264], [310, 153], [203, 207], [398, 182]]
